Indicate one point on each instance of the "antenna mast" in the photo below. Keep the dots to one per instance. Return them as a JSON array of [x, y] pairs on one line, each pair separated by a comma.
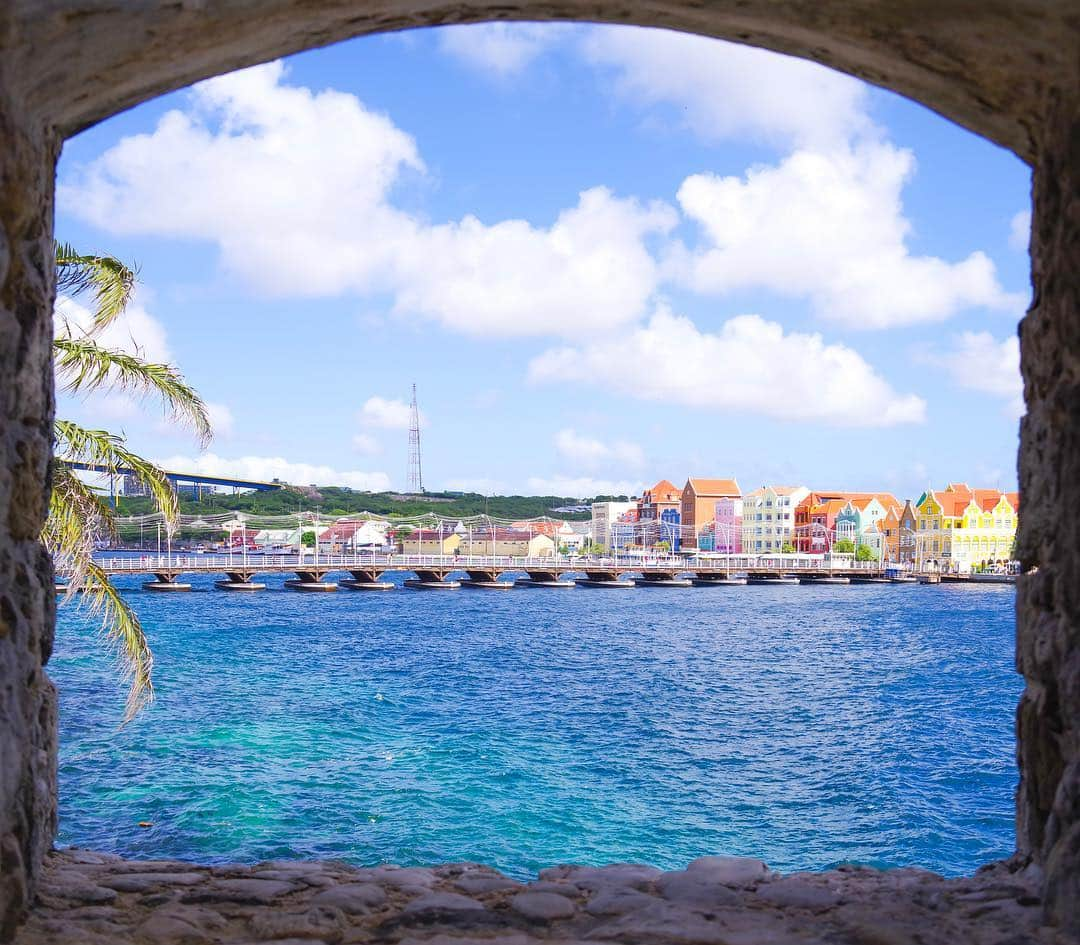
[[416, 475]]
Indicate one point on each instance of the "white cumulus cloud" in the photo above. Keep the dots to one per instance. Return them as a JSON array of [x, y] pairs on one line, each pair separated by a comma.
[[502, 49], [386, 414], [978, 361], [1020, 231], [581, 487], [830, 227], [366, 444], [725, 90], [295, 189], [136, 331], [589, 453], [750, 365], [221, 419], [268, 468], [588, 273]]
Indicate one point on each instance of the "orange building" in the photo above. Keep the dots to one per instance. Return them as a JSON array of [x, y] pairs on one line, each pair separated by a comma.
[[698, 506], [898, 530], [815, 516]]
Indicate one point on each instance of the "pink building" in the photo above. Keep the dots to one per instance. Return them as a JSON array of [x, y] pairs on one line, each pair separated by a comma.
[[728, 525]]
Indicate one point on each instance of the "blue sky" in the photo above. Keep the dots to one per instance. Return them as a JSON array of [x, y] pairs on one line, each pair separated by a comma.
[[604, 255]]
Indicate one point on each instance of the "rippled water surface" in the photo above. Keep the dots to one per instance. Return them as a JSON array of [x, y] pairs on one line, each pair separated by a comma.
[[806, 725]]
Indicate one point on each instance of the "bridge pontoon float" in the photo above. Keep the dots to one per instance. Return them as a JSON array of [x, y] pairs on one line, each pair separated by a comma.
[[432, 581], [824, 579], [543, 579], [662, 580], [366, 580], [719, 580], [771, 580], [166, 581], [239, 581], [311, 581], [604, 579], [486, 581]]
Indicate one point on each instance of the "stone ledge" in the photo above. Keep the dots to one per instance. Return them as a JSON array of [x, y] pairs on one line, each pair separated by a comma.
[[90, 898]]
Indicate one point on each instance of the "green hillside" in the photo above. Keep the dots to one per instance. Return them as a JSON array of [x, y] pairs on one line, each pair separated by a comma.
[[336, 501]]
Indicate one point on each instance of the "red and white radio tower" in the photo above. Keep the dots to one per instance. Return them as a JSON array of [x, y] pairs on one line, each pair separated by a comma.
[[416, 474]]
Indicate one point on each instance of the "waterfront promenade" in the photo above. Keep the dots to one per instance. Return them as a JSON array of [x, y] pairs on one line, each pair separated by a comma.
[[451, 572]]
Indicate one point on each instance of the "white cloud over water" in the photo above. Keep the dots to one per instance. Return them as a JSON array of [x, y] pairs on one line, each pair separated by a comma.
[[830, 227], [750, 365], [295, 188], [588, 452], [499, 49], [268, 468], [386, 414], [581, 487], [724, 90], [980, 362]]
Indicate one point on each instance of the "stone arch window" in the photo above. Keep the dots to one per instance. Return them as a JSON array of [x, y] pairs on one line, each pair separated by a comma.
[[1008, 71]]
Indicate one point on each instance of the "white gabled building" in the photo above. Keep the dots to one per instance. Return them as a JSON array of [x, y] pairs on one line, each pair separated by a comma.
[[768, 518]]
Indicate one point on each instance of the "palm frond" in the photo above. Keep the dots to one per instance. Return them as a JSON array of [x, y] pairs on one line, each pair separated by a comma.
[[107, 451], [86, 366], [110, 281], [124, 631], [76, 518]]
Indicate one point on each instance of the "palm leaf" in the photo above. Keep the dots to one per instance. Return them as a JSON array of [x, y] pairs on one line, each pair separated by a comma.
[[76, 518], [110, 281], [86, 366], [124, 631], [108, 452]]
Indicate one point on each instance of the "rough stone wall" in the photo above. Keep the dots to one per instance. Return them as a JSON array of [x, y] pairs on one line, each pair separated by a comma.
[[27, 602], [1006, 69], [1048, 601]]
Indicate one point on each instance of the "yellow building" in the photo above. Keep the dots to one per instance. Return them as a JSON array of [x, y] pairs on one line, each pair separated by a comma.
[[429, 541], [512, 542], [964, 529]]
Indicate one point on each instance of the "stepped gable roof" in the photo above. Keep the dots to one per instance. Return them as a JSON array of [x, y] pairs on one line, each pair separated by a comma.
[[1014, 500], [663, 491], [710, 487]]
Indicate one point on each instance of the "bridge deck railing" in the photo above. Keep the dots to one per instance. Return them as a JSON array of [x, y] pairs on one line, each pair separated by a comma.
[[218, 563]]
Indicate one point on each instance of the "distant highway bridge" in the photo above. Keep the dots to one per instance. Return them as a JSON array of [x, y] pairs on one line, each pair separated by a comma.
[[436, 572]]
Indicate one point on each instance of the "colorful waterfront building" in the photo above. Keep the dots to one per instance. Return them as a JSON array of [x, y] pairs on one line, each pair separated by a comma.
[[816, 516], [727, 526], [604, 517], [898, 530], [858, 521], [698, 505], [960, 528], [429, 541], [768, 518], [659, 516], [514, 542]]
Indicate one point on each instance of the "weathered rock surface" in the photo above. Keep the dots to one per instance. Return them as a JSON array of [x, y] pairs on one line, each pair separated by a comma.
[[732, 901]]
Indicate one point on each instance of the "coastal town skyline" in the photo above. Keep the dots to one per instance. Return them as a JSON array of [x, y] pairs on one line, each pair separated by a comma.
[[586, 283]]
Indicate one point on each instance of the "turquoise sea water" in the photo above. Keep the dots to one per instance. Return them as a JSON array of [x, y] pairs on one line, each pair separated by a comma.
[[806, 725]]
